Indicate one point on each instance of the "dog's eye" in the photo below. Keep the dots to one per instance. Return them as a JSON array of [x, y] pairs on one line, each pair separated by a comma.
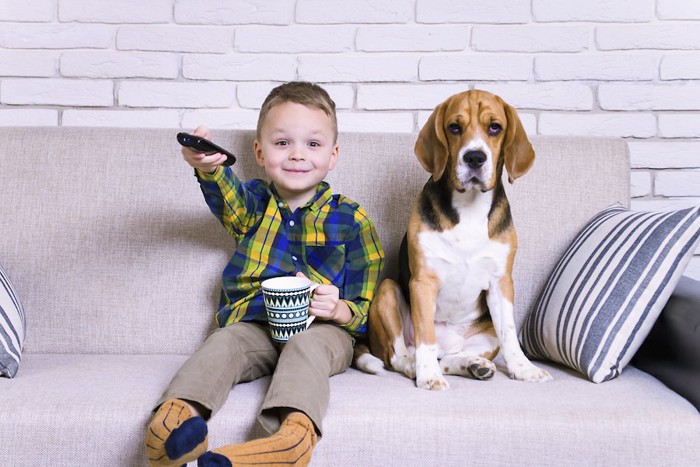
[[454, 128], [495, 129]]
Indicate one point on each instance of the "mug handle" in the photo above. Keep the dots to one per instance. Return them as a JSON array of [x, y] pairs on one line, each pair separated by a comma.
[[311, 318]]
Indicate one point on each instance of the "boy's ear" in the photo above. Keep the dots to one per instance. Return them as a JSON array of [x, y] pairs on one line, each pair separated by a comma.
[[257, 149], [334, 157]]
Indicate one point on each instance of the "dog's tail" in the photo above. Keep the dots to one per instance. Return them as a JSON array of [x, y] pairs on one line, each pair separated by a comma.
[[363, 360]]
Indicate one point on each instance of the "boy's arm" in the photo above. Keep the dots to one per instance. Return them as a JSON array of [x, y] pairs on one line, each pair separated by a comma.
[[365, 258], [225, 195], [227, 198]]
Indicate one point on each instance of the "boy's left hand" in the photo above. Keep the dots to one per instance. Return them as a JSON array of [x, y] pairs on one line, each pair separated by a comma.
[[327, 305]]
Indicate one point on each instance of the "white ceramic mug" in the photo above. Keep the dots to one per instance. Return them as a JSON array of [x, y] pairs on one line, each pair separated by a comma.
[[287, 304]]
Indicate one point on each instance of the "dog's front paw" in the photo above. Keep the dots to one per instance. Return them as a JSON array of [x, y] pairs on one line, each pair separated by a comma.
[[432, 380], [530, 373], [436, 384]]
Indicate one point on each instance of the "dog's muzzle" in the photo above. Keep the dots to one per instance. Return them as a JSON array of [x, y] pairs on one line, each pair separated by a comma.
[[472, 172], [474, 159]]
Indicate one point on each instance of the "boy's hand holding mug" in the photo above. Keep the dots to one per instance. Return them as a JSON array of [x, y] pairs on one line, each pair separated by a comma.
[[327, 305]]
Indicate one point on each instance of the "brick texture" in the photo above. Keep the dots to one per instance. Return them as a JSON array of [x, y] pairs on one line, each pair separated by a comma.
[[31, 11]]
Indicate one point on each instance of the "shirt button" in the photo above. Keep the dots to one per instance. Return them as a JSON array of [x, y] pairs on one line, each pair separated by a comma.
[[294, 258], [291, 223], [281, 204]]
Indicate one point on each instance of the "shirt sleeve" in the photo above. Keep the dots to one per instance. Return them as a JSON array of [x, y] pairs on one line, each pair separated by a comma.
[[228, 199], [364, 257]]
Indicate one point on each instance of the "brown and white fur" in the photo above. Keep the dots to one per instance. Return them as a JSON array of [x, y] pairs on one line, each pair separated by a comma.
[[458, 253]]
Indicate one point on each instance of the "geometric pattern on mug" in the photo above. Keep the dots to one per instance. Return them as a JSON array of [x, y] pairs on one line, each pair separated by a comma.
[[286, 300], [287, 312], [288, 316], [282, 332]]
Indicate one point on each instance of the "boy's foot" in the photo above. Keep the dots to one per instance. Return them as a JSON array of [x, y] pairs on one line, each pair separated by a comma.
[[175, 436], [293, 445]]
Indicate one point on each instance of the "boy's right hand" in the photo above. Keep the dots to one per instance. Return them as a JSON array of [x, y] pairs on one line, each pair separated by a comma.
[[199, 160]]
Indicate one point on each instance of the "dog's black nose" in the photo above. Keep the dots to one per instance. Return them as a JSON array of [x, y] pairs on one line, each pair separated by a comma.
[[475, 159]]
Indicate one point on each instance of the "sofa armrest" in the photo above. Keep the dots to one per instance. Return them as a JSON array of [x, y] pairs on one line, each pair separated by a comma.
[[671, 352]]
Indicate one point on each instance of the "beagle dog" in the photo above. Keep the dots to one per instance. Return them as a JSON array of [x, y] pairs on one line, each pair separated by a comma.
[[452, 310]]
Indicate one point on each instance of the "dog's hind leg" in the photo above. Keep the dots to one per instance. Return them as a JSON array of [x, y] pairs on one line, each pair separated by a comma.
[[475, 358], [387, 316], [404, 359]]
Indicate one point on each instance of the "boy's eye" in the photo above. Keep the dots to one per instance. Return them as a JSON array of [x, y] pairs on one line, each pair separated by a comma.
[[314, 144], [281, 143]]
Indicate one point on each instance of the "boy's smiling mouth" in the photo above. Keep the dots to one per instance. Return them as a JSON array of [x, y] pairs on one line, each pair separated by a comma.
[[297, 171]]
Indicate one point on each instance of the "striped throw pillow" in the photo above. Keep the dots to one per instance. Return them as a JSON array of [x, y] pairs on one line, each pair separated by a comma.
[[11, 328], [606, 292]]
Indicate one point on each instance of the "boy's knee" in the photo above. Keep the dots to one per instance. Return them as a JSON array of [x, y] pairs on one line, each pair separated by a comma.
[[323, 339], [240, 337]]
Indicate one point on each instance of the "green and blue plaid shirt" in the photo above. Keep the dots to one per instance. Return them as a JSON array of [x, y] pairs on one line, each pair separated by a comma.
[[330, 239]]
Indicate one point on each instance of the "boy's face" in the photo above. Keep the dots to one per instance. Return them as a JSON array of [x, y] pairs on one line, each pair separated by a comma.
[[297, 149]]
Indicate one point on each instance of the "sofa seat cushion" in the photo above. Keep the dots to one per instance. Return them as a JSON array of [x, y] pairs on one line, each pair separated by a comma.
[[93, 409]]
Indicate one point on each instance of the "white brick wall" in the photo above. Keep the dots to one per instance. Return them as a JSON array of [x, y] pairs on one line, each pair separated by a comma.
[[601, 11], [37, 10], [98, 64], [621, 68], [121, 11]]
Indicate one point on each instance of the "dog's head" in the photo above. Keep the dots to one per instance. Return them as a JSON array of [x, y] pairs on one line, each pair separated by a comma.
[[470, 138]]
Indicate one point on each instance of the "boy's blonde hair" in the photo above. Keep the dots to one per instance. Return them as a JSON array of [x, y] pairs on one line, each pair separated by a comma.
[[300, 92]]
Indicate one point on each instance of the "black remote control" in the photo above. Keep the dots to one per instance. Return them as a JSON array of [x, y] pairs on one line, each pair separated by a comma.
[[199, 144]]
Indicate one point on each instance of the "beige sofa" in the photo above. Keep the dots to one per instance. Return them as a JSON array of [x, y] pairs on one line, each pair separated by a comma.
[[117, 261]]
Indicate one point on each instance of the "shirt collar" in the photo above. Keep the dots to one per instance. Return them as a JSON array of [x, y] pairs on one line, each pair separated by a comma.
[[322, 196]]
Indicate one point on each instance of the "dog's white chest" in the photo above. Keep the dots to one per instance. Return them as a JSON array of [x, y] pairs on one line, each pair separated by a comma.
[[466, 260]]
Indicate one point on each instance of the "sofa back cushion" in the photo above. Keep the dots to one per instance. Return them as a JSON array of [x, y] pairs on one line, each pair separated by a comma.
[[112, 248]]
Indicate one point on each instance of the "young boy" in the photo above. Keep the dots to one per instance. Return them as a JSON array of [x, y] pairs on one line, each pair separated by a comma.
[[293, 225]]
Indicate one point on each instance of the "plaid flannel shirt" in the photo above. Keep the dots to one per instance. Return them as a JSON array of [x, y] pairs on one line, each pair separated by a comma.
[[330, 239]]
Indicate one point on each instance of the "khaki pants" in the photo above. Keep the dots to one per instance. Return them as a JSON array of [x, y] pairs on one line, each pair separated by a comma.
[[243, 352]]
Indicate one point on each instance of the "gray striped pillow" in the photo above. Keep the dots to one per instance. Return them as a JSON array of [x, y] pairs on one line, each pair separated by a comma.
[[11, 328], [605, 294]]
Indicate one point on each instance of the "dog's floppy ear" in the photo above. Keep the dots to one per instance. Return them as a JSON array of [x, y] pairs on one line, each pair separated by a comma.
[[431, 145], [517, 150]]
